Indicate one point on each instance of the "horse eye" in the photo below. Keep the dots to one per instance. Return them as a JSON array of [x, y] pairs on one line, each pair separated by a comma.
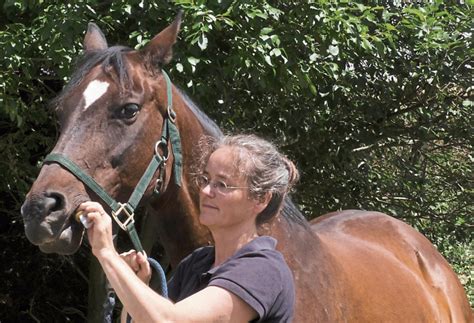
[[129, 111]]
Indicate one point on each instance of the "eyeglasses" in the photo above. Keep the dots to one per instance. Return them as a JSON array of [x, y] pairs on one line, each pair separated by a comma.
[[219, 186]]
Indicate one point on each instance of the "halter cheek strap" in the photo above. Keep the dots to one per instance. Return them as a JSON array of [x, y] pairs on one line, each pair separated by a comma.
[[123, 213]]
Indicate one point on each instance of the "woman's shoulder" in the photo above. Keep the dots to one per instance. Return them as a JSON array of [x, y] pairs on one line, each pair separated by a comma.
[[263, 247], [256, 258], [259, 275], [199, 255], [205, 250]]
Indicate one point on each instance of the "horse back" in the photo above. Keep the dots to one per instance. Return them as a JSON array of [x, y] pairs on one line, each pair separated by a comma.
[[369, 267]]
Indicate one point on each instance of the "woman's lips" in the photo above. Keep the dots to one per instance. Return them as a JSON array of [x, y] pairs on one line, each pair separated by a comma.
[[209, 206]]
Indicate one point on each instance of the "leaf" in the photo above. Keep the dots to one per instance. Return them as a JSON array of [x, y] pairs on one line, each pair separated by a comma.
[[203, 41], [276, 40], [266, 30], [193, 60], [311, 86], [275, 52], [366, 44], [268, 60], [468, 103], [333, 50]]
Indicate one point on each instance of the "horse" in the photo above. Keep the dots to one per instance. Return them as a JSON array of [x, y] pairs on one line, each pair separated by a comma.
[[352, 265]]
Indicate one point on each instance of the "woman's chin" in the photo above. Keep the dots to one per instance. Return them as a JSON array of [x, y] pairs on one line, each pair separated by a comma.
[[207, 219]]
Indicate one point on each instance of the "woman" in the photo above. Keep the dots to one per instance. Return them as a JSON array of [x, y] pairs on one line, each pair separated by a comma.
[[242, 278]]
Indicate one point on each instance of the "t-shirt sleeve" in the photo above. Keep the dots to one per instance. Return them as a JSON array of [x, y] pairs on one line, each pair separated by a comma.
[[255, 278]]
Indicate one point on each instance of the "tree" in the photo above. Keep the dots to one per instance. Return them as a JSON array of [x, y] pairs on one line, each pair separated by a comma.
[[373, 102]]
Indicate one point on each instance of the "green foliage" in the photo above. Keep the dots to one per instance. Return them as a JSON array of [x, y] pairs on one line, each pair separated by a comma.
[[373, 102]]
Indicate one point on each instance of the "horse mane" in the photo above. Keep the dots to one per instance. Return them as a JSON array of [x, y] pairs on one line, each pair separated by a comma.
[[210, 127], [110, 57], [292, 214]]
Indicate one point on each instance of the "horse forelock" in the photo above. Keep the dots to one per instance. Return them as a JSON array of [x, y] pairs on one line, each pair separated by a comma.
[[111, 60]]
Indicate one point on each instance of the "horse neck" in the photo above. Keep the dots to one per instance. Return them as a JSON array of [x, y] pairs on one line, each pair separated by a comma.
[[176, 224], [177, 211], [294, 235], [286, 231]]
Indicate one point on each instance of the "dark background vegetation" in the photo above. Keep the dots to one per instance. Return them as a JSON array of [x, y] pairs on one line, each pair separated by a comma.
[[373, 102]]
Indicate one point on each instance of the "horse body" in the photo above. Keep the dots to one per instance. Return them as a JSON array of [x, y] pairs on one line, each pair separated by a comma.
[[368, 267], [347, 266]]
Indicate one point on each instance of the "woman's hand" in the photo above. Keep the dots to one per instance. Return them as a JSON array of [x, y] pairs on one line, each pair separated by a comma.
[[139, 264], [100, 230]]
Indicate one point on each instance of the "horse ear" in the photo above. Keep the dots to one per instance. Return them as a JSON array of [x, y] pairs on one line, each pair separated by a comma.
[[94, 39], [160, 49]]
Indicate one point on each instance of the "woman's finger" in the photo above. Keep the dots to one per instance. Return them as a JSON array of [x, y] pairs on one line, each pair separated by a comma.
[[130, 257], [141, 257], [127, 253], [90, 207], [145, 271]]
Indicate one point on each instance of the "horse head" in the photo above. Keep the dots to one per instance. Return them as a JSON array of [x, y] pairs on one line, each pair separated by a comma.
[[111, 115]]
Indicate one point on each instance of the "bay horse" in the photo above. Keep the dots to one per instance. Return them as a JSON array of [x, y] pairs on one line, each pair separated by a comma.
[[351, 265]]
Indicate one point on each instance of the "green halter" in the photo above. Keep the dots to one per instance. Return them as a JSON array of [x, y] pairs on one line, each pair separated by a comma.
[[123, 213]]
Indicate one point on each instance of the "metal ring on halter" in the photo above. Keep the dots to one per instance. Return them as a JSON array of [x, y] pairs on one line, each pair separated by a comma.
[[171, 114], [164, 149], [158, 184]]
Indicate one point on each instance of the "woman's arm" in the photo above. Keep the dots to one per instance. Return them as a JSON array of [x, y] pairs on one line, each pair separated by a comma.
[[140, 301], [143, 304], [138, 262], [214, 304]]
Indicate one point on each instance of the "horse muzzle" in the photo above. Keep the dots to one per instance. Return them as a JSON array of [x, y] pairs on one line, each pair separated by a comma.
[[49, 226]]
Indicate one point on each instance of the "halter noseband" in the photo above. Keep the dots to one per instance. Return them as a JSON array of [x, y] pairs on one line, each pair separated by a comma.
[[126, 211]]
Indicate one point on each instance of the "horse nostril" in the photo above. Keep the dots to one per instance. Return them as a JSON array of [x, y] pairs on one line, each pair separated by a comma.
[[53, 202], [37, 207]]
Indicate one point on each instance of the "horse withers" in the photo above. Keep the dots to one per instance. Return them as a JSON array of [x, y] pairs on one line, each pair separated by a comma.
[[348, 266]]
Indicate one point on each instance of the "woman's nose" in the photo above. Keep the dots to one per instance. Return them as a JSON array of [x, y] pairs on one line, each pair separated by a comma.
[[207, 190]]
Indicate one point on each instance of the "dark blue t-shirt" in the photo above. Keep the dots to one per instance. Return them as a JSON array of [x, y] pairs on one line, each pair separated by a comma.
[[257, 273]]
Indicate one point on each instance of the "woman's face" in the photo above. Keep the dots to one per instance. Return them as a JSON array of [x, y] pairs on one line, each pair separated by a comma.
[[225, 208]]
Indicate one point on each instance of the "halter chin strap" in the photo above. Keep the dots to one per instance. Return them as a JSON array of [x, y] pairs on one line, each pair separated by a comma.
[[123, 213]]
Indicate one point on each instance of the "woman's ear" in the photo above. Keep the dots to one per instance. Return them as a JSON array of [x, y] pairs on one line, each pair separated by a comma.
[[262, 202]]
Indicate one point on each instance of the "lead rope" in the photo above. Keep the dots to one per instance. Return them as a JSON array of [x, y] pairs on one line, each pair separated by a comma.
[[163, 286]]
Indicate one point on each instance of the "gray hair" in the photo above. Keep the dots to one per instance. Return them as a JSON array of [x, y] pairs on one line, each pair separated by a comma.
[[266, 170]]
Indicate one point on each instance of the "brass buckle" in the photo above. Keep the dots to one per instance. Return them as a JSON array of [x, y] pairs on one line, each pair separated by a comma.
[[115, 215]]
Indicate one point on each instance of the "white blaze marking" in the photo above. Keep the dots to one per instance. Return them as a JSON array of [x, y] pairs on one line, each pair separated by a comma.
[[94, 91]]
